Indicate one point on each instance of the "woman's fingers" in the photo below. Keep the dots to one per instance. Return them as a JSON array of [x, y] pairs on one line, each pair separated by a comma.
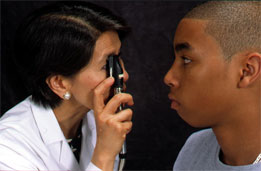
[[125, 128], [122, 121], [118, 99], [111, 127], [124, 115], [99, 92], [120, 128]]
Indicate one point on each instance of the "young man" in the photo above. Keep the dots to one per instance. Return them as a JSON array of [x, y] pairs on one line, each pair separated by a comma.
[[215, 81]]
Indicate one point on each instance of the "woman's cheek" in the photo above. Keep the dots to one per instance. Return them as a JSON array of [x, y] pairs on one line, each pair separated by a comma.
[[96, 81]]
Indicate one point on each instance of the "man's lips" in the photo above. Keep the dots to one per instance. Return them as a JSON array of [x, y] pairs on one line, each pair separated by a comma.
[[174, 103]]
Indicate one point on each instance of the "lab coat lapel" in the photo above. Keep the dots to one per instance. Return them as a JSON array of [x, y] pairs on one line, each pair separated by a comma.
[[88, 140], [67, 158], [53, 137]]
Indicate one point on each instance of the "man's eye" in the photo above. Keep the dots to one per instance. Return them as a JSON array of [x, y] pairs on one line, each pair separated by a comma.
[[186, 60]]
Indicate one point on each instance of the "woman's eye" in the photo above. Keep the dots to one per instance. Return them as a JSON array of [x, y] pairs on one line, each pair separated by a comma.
[[186, 60], [104, 67]]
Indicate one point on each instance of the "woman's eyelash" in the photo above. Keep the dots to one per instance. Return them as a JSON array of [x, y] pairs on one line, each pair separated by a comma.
[[104, 66]]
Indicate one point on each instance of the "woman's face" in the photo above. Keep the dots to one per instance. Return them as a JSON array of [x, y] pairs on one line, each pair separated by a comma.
[[84, 83]]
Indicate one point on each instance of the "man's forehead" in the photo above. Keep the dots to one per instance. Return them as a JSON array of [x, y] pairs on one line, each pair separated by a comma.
[[191, 36], [191, 26], [189, 30]]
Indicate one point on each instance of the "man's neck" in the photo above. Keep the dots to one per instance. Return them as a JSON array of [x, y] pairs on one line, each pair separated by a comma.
[[240, 139]]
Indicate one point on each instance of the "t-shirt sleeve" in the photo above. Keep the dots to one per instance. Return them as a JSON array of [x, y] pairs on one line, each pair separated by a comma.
[[196, 150]]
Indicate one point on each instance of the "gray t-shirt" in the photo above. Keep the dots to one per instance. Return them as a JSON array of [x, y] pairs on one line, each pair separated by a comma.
[[201, 152]]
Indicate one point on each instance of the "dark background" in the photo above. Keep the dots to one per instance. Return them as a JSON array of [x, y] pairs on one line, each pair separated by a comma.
[[158, 132]]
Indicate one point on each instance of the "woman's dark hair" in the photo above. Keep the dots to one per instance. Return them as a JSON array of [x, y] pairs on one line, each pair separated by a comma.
[[59, 39]]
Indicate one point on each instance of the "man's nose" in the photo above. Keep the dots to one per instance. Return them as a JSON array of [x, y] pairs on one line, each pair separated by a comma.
[[170, 79]]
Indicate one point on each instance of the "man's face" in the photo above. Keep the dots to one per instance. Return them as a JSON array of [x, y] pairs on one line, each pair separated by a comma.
[[201, 82]]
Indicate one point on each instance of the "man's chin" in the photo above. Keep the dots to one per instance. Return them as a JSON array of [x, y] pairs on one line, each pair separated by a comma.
[[192, 120]]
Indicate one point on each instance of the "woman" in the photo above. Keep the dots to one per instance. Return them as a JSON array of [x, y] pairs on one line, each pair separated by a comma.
[[62, 50]]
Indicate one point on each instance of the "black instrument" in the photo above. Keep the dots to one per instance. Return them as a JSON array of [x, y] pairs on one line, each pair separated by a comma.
[[114, 70]]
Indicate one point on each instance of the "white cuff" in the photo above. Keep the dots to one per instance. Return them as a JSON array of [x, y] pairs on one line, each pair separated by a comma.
[[92, 167]]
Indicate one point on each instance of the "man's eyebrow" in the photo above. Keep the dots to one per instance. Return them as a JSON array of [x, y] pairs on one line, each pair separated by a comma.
[[182, 46]]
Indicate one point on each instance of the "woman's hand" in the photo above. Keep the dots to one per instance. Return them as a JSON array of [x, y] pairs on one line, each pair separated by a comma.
[[111, 127]]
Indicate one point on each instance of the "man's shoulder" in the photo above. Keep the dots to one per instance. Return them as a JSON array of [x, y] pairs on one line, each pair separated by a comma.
[[200, 137], [200, 149], [201, 140]]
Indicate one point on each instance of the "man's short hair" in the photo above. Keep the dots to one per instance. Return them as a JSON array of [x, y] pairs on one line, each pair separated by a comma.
[[236, 25]]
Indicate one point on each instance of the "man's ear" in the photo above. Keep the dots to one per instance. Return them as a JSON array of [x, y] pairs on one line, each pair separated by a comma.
[[58, 84], [251, 70]]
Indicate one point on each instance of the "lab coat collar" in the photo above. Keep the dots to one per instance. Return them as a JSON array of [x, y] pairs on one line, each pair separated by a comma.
[[53, 137], [55, 141], [88, 139], [47, 123]]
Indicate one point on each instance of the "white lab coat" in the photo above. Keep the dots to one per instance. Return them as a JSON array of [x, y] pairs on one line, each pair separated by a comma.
[[31, 139]]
